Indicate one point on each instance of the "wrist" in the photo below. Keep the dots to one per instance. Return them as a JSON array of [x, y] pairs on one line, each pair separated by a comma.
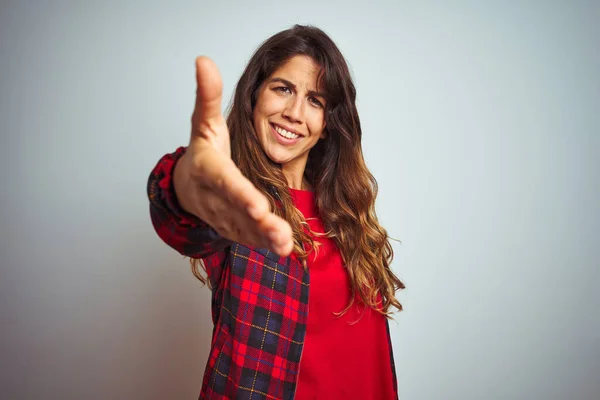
[[181, 184]]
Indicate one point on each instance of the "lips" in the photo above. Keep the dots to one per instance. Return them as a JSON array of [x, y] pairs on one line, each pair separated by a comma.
[[283, 136], [286, 131]]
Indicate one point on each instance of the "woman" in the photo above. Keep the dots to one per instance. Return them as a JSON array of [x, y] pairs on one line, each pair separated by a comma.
[[276, 205]]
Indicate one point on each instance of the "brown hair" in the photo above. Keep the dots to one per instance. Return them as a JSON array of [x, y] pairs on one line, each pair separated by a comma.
[[345, 190]]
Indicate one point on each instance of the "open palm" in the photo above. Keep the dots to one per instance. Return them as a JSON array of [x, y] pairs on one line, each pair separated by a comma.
[[208, 183]]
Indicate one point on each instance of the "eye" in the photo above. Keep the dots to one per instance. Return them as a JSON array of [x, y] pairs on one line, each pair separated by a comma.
[[282, 89], [314, 101]]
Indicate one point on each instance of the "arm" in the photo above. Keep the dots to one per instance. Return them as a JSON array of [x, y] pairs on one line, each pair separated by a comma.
[[182, 231], [200, 202]]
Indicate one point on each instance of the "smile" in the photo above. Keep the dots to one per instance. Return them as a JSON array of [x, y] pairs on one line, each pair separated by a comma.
[[285, 133], [283, 136]]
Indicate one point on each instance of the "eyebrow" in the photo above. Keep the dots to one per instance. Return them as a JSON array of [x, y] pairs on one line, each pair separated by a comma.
[[290, 84]]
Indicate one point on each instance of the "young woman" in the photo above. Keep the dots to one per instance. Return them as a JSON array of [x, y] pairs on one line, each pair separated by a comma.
[[276, 209]]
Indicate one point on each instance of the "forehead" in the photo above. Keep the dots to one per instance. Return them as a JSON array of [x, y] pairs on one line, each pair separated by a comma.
[[301, 70]]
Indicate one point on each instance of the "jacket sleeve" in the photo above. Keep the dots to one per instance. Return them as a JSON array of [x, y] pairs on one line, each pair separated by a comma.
[[184, 232]]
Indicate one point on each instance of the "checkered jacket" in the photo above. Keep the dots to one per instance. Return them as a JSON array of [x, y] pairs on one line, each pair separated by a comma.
[[259, 301]]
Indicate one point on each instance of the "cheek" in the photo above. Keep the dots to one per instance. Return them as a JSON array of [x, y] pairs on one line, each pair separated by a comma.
[[266, 104], [255, 117], [259, 115], [317, 123]]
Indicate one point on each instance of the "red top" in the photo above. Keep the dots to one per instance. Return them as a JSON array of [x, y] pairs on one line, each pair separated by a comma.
[[339, 360]]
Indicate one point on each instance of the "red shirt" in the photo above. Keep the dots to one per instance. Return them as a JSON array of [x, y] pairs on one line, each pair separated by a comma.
[[259, 301], [339, 360]]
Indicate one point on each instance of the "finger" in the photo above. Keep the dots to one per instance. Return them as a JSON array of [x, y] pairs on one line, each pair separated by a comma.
[[209, 92], [285, 249], [277, 232], [285, 243], [244, 195]]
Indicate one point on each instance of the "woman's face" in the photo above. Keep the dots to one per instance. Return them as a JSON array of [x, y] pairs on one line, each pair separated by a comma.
[[289, 115]]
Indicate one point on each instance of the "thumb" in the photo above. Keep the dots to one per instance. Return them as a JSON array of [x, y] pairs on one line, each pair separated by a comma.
[[209, 91]]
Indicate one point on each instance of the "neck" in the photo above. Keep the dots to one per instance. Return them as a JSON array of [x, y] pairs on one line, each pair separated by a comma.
[[294, 175]]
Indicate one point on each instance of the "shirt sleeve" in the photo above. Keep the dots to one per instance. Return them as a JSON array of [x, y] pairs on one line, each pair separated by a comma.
[[184, 232]]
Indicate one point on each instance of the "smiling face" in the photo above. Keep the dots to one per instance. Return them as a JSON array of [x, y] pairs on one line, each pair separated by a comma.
[[289, 115]]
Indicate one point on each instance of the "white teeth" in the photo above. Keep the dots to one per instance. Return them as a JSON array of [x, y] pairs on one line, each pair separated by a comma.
[[285, 133]]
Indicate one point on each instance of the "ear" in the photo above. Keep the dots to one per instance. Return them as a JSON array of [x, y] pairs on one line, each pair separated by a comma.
[[323, 134]]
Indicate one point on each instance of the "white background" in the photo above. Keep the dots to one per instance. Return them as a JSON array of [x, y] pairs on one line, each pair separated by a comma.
[[481, 124]]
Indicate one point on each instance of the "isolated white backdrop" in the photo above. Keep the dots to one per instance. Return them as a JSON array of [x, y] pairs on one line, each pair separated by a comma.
[[480, 123]]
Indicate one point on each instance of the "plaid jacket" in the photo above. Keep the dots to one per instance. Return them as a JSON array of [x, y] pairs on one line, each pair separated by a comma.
[[259, 301]]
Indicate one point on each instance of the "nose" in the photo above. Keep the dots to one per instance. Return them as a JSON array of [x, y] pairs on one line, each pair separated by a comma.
[[293, 109]]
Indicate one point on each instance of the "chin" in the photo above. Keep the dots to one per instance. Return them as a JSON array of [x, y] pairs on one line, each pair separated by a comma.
[[278, 159], [278, 156]]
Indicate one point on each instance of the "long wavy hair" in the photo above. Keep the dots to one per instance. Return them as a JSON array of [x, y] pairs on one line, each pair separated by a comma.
[[345, 190]]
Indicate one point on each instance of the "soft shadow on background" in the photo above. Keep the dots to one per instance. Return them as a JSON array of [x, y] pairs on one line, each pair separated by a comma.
[[481, 124]]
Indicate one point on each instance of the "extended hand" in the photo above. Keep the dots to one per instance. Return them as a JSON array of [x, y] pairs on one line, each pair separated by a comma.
[[209, 184]]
